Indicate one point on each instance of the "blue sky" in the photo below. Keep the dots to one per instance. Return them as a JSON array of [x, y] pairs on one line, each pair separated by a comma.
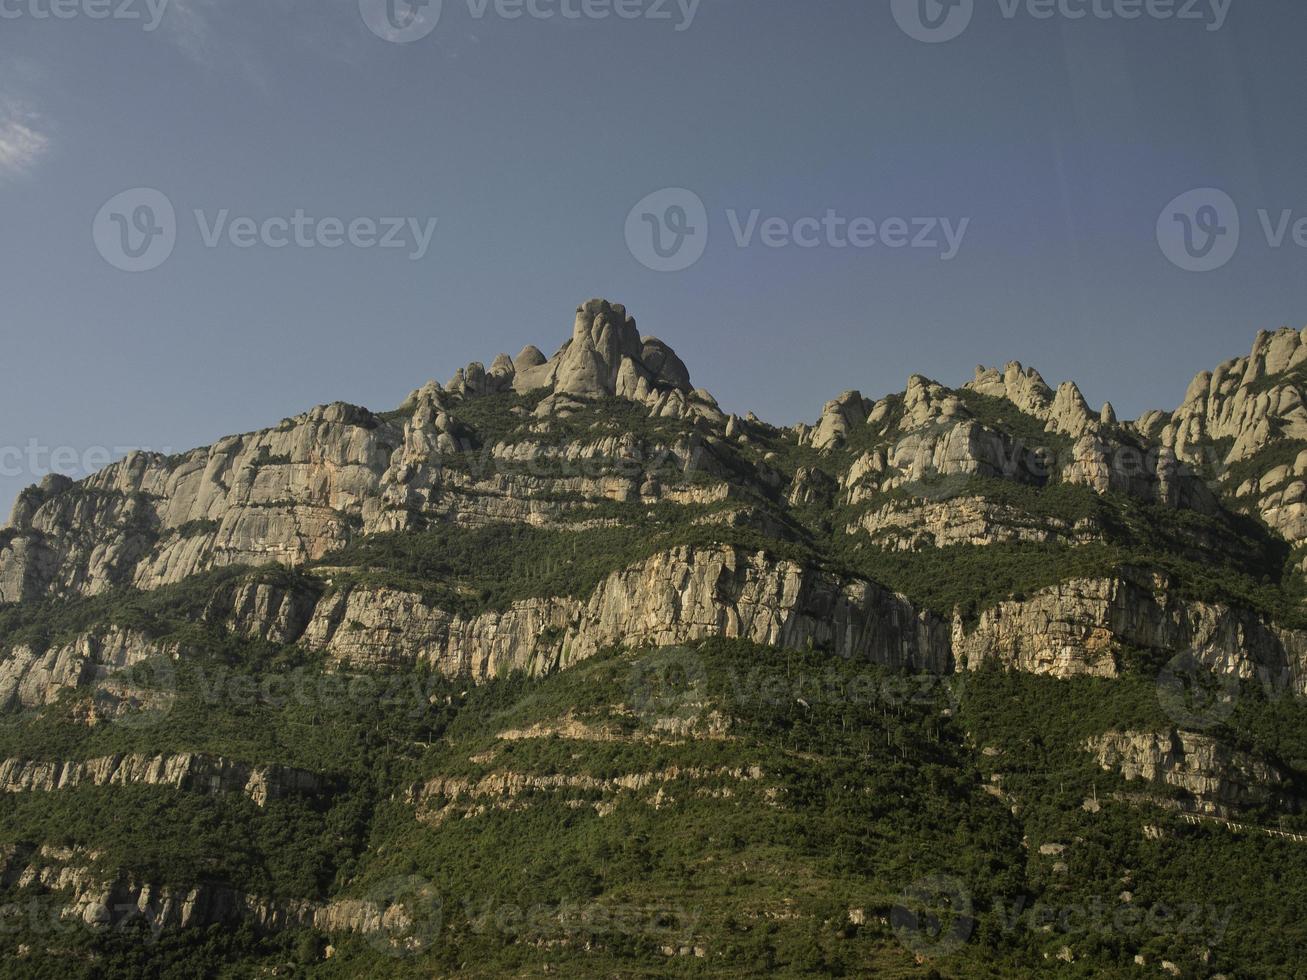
[[1055, 141]]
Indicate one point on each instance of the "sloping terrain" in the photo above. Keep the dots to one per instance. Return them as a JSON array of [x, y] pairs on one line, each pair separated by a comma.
[[560, 668]]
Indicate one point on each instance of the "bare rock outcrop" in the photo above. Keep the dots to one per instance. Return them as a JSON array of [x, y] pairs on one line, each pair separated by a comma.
[[185, 771], [914, 524], [314, 483], [1082, 626], [1220, 780], [32, 679], [839, 418], [680, 596], [107, 901], [265, 610], [1247, 407]]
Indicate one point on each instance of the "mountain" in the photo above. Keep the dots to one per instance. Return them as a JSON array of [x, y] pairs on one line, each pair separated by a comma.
[[559, 668]]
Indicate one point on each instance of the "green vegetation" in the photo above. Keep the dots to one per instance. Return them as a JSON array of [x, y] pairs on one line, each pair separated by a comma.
[[720, 810], [835, 785]]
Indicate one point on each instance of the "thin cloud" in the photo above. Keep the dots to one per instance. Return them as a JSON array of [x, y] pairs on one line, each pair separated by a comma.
[[22, 141], [213, 35], [223, 37]]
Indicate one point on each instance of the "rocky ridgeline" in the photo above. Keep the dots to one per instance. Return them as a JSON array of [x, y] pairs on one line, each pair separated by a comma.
[[1082, 627], [185, 771], [928, 435], [297, 492], [315, 482], [1247, 408]]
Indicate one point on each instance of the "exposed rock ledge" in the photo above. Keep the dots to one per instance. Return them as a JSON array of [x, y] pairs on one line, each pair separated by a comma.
[[32, 680], [680, 596], [187, 771], [1221, 780], [1082, 627], [1077, 628], [103, 902]]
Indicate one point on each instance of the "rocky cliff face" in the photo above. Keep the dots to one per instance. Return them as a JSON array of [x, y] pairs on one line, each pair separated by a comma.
[[185, 771], [104, 902], [1215, 779], [681, 596], [912, 525], [296, 492], [1084, 626], [31, 680], [898, 471], [1249, 408]]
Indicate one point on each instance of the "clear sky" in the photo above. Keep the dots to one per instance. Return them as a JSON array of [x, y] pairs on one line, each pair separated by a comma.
[[1058, 140]]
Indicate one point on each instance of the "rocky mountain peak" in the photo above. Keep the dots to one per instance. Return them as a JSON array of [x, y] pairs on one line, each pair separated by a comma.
[[605, 357], [1244, 405]]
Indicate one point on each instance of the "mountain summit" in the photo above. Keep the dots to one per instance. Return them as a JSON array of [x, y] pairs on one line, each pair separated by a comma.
[[558, 667]]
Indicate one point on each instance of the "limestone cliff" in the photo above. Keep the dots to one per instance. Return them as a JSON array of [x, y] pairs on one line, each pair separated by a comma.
[[680, 596], [1216, 779], [1083, 627], [187, 771]]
